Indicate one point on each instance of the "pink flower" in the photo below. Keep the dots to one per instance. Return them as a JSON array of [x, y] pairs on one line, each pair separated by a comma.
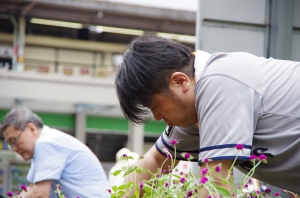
[[109, 190], [182, 180], [141, 185], [203, 180], [190, 193], [206, 160], [268, 190], [218, 168], [277, 194], [169, 156], [10, 194], [239, 147], [23, 187], [173, 142], [187, 155], [262, 158], [166, 184], [124, 155], [253, 158], [204, 171]]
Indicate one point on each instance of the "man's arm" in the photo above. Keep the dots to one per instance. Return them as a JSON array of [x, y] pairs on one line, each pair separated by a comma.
[[152, 160], [226, 164], [38, 190]]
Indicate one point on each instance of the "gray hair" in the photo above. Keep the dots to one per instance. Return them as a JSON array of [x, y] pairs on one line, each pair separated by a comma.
[[18, 118]]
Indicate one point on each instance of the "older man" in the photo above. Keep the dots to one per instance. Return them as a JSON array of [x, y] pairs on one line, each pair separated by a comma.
[[57, 158]]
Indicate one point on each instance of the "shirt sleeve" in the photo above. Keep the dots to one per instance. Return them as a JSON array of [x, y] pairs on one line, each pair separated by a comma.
[[49, 162], [187, 138], [228, 111]]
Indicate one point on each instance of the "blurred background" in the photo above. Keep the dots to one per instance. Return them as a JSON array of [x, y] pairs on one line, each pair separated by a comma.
[[59, 58]]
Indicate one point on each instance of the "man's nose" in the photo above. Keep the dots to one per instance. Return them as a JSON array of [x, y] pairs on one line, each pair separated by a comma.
[[157, 115]]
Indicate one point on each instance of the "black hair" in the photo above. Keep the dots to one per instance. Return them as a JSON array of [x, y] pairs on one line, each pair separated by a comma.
[[145, 71]]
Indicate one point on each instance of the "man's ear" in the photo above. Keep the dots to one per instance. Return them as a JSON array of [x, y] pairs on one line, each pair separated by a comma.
[[180, 79], [32, 128]]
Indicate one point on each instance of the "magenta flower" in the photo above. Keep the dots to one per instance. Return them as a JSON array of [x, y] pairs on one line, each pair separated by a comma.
[[109, 190], [169, 156], [239, 147], [190, 193], [181, 173], [10, 194], [250, 181], [163, 170], [166, 184], [187, 155], [158, 175], [173, 142], [204, 171], [246, 185], [268, 190], [23, 187], [141, 185], [203, 180], [124, 155], [283, 190], [262, 158], [206, 160], [209, 196], [258, 192], [182, 180], [218, 168], [277, 194], [233, 195]]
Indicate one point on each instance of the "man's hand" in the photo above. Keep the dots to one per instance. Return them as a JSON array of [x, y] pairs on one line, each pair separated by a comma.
[[38, 190], [226, 164]]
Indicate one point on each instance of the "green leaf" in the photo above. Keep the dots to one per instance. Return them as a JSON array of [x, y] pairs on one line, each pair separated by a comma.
[[122, 187], [114, 188], [117, 172], [130, 170], [136, 193], [223, 191]]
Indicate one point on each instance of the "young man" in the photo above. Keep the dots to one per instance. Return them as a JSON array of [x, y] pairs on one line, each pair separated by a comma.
[[57, 158], [212, 102]]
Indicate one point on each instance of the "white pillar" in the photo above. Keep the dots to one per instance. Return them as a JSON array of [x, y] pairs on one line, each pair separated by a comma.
[[21, 44], [136, 138], [80, 126]]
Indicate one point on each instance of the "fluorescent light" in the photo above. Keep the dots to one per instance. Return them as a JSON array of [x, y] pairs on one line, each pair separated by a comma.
[[118, 30], [178, 37], [56, 23]]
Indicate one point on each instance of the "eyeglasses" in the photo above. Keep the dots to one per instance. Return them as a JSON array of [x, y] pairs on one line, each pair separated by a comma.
[[14, 142]]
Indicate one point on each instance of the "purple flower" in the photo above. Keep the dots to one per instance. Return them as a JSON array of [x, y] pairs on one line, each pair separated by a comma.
[[250, 181], [239, 147], [187, 155], [166, 184], [218, 168], [163, 170], [181, 173], [182, 180], [190, 193], [253, 158], [203, 180], [169, 156], [209, 196], [268, 190], [158, 175], [141, 185], [23, 187], [262, 158], [10, 194], [277, 194], [204, 171], [246, 185], [109, 190], [206, 160], [173, 142], [233, 195], [124, 155], [283, 190], [258, 192]]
